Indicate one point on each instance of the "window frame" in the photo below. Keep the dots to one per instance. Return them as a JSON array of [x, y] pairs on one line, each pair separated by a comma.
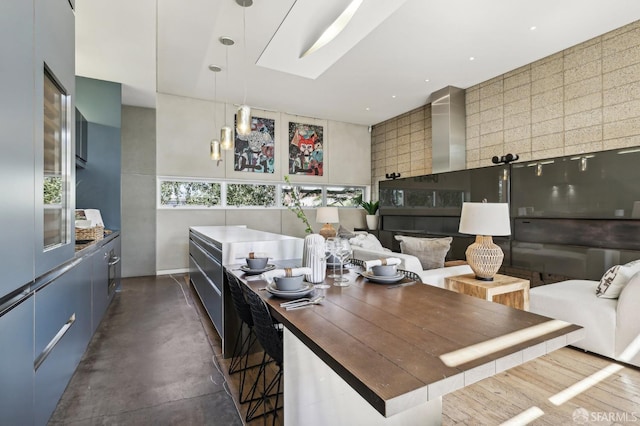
[[366, 191]]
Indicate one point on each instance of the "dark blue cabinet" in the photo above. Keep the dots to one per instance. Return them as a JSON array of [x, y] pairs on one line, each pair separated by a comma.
[[16, 364], [17, 169], [105, 278], [62, 332]]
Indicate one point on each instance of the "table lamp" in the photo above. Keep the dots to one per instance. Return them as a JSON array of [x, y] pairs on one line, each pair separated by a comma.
[[485, 220], [327, 215]]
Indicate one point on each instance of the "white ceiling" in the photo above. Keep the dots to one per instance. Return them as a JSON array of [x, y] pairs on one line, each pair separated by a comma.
[[166, 46]]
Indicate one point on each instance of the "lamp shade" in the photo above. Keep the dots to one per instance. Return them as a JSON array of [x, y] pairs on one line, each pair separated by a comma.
[[243, 120], [226, 138], [215, 150], [327, 215], [485, 219]]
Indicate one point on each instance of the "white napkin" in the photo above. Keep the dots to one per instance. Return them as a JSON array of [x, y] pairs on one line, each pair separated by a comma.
[[270, 275], [390, 261]]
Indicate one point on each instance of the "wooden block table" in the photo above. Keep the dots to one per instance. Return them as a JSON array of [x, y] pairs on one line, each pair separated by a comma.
[[510, 291]]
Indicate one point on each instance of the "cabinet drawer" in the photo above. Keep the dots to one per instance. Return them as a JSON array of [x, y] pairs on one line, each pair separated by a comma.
[[207, 246], [62, 332], [210, 266], [209, 294]]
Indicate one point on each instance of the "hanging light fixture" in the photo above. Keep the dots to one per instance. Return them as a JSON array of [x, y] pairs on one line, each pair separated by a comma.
[[226, 132], [243, 118], [216, 155]]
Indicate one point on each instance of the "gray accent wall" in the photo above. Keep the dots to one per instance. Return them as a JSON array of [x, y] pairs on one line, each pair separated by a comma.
[[98, 184], [185, 127], [138, 191]]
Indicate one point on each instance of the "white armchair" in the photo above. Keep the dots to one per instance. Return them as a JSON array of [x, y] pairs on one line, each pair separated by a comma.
[[612, 325]]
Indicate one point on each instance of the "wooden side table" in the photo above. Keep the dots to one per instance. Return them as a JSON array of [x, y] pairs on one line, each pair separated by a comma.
[[510, 291]]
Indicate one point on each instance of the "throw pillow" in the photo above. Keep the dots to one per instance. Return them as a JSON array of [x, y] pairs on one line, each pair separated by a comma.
[[345, 233], [614, 280], [430, 251], [366, 241]]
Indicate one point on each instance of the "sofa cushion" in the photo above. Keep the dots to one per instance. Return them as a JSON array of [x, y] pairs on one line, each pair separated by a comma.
[[575, 301], [628, 331], [430, 251], [614, 280], [366, 241], [345, 233]]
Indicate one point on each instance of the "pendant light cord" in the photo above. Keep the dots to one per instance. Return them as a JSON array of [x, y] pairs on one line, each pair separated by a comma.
[[226, 65], [244, 48], [215, 97]]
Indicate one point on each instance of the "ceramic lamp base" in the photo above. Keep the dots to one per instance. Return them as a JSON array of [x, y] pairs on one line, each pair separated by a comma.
[[484, 257], [327, 231]]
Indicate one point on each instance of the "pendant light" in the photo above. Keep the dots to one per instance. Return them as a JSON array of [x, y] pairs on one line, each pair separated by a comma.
[[216, 155], [226, 132], [243, 118]]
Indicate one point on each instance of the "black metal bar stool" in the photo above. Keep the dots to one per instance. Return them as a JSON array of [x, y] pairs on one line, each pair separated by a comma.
[[244, 341], [270, 337]]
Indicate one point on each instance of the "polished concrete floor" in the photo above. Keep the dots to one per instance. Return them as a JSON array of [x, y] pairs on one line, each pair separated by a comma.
[[149, 363]]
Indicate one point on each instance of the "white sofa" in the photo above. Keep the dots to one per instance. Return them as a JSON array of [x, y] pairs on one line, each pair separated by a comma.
[[612, 325], [411, 263]]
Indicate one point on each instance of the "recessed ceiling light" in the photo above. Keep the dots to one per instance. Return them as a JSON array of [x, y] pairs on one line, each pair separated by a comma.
[[426, 80], [367, 109], [393, 96], [533, 28], [227, 41], [471, 58]]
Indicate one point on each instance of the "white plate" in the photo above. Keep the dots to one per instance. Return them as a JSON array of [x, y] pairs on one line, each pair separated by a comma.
[[249, 271], [291, 294], [383, 279]]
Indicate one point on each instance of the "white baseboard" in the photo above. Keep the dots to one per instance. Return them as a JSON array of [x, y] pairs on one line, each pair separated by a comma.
[[173, 271]]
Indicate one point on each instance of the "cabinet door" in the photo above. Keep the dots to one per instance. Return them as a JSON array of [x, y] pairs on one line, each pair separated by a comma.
[[16, 162], [54, 83], [62, 332], [16, 365], [99, 286]]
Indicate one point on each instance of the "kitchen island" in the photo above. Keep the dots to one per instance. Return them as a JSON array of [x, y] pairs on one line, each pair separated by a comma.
[[213, 247], [370, 355]]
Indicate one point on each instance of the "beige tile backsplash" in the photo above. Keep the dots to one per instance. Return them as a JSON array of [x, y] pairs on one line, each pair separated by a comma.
[[583, 99]]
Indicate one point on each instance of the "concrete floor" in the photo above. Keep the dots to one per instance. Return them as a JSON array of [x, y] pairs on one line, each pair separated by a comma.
[[149, 363]]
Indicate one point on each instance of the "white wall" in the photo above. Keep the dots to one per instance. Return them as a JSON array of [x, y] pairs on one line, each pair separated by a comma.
[[184, 128]]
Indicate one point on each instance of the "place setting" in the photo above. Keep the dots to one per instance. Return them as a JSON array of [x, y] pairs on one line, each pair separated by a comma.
[[257, 263], [383, 271], [288, 283]]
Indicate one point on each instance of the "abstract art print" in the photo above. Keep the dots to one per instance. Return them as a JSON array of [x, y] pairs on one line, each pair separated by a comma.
[[255, 152], [306, 149]]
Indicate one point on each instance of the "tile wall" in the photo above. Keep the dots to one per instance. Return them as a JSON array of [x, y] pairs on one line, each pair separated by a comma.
[[583, 99]]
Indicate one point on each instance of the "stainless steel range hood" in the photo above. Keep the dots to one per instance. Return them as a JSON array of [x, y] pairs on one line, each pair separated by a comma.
[[448, 129]]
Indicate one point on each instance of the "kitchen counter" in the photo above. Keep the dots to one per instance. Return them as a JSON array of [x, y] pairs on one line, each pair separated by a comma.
[[212, 247], [237, 241], [372, 355], [87, 248]]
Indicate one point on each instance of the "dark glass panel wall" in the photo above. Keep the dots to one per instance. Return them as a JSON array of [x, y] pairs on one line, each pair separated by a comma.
[[602, 185], [572, 216]]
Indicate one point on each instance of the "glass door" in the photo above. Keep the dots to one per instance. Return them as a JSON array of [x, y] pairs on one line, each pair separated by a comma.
[[56, 167]]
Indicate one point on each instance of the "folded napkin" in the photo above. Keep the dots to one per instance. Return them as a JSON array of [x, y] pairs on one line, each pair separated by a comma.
[[388, 261], [277, 273]]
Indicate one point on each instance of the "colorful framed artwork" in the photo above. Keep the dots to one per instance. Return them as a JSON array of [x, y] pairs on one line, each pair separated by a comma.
[[255, 152], [306, 154]]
